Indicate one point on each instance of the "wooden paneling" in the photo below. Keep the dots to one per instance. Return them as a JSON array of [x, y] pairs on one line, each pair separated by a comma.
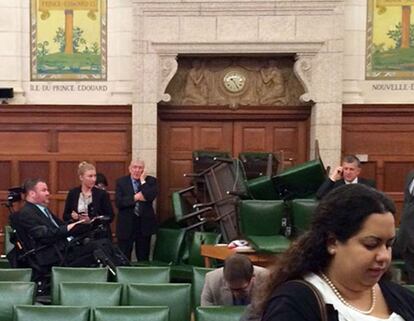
[[49, 142], [385, 133], [183, 130]]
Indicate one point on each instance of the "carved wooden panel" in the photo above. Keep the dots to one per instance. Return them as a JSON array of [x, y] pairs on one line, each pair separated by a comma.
[[235, 81], [50, 141], [385, 134]]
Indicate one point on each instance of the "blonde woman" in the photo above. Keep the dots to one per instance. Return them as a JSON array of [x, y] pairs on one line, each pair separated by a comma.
[[87, 201]]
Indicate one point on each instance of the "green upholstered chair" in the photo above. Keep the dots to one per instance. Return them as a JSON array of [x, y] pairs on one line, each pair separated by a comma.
[[185, 213], [14, 293], [75, 274], [262, 188], [50, 313], [91, 294], [169, 244], [203, 159], [301, 214], [300, 181], [22, 275], [259, 163], [141, 274], [132, 313], [199, 275], [261, 224], [184, 271], [219, 313], [174, 295]]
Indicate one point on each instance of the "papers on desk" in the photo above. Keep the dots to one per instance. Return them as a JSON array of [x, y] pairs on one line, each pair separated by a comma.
[[241, 246]]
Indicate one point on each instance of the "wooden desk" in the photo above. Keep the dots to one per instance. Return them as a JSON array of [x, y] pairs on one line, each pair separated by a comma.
[[221, 252]]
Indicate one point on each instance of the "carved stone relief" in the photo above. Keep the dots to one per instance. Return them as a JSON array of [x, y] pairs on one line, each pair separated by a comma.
[[240, 81]]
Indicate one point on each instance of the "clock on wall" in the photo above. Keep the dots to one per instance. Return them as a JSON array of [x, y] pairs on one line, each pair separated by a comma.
[[234, 80]]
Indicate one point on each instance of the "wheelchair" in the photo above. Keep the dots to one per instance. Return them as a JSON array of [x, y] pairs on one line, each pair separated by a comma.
[[84, 249]]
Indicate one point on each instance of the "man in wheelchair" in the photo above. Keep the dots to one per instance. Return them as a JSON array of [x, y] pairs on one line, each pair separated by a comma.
[[42, 240]]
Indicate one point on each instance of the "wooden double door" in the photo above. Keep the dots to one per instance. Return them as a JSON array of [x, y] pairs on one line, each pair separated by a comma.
[[242, 132]]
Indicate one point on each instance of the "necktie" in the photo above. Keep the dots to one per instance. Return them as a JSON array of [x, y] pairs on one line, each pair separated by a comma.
[[50, 217], [137, 188]]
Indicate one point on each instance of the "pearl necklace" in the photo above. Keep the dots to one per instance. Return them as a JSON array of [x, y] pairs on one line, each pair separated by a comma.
[[341, 298]]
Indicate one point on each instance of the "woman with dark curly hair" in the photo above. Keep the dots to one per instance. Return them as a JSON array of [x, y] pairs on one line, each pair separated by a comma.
[[343, 259]]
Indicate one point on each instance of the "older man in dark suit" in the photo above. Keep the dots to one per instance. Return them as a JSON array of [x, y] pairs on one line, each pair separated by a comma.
[[136, 223], [347, 173]]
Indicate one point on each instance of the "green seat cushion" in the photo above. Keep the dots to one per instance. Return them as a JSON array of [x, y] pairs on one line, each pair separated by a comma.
[[270, 244]]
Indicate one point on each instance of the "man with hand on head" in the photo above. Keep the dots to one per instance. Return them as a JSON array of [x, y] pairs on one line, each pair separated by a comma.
[[134, 195], [347, 173]]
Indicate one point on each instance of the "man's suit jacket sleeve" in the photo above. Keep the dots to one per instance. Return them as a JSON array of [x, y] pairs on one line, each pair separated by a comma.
[[150, 189], [124, 194], [207, 297], [70, 199], [325, 188]]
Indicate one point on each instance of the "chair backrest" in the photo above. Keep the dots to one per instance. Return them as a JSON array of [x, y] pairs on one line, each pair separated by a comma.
[[21, 274], [14, 293], [219, 313], [261, 217], [198, 278], [259, 163], [141, 274], [203, 159], [197, 239], [302, 214], [8, 245], [300, 181], [174, 295], [91, 294], [158, 313], [75, 274], [50, 313], [168, 245]]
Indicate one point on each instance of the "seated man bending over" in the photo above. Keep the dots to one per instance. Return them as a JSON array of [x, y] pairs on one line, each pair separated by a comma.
[[53, 240]]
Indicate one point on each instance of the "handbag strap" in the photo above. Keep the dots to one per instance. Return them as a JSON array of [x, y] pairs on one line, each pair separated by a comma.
[[319, 299]]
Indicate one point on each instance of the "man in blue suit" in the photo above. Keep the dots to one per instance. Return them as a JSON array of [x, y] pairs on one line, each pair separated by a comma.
[[134, 195]]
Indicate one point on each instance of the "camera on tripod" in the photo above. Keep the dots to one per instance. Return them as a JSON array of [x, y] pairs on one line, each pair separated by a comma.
[[15, 194]]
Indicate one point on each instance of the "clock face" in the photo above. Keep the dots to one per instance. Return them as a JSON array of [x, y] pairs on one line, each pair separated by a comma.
[[234, 81]]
